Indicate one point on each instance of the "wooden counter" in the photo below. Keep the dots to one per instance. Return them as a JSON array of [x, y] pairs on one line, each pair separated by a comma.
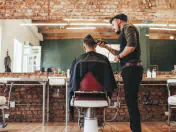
[[22, 113]]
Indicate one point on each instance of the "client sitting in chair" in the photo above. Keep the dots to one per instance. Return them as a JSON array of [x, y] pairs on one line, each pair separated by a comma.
[[91, 71]]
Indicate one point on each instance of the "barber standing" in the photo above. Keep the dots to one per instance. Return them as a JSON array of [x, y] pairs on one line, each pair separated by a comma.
[[132, 67]]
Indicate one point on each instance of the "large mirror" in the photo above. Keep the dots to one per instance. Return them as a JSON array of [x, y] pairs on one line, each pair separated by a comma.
[[20, 46], [45, 46]]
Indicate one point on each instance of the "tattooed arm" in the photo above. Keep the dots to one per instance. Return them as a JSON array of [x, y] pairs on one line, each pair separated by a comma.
[[103, 45]]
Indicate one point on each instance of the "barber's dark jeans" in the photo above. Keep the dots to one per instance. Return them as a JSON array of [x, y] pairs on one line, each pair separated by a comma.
[[132, 77], [71, 108]]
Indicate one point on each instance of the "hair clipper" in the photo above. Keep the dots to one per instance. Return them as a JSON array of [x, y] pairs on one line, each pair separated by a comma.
[[98, 41]]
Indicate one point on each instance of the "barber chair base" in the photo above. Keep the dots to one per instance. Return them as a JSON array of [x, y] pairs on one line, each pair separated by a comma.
[[90, 125]]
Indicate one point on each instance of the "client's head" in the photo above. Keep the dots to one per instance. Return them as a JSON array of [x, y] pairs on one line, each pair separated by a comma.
[[89, 43]]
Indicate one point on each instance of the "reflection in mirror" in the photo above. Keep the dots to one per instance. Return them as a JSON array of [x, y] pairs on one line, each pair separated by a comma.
[[31, 58], [52, 45], [22, 44]]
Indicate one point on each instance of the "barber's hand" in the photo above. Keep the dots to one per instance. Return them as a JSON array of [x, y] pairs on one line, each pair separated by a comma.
[[116, 59], [101, 44]]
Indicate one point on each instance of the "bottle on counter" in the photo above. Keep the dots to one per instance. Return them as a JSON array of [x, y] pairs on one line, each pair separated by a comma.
[[153, 73], [149, 74], [68, 73]]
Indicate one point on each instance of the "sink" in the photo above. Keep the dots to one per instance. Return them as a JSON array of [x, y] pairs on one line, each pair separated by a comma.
[[57, 80]]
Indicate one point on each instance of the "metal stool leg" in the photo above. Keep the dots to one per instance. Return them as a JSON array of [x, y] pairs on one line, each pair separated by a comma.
[[169, 116], [3, 117]]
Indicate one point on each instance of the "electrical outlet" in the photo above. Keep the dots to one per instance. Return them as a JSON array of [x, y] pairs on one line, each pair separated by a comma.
[[12, 104], [166, 113], [6, 115], [56, 93], [115, 103]]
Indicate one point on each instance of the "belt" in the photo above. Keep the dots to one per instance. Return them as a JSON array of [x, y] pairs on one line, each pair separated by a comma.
[[138, 64]]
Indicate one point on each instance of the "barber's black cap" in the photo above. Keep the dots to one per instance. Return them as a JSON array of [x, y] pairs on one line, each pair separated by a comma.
[[121, 17]]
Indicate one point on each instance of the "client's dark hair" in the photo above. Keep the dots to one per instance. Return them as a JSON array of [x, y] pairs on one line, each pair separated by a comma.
[[89, 40]]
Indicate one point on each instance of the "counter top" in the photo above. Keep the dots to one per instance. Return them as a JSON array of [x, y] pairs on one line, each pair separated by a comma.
[[159, 78], [10, 79]]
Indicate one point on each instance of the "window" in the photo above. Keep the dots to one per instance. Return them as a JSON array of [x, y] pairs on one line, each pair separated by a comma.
[[18, 52]]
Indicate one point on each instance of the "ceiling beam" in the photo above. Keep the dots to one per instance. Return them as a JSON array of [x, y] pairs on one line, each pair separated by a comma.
[[100, 21], [81, 36], [58, 30], [80, 21], [169, 32]]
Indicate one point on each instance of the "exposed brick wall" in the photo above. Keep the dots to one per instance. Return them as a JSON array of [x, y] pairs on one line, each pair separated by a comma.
[[27, 95], [59, 9], [148, 112], [33, 95]]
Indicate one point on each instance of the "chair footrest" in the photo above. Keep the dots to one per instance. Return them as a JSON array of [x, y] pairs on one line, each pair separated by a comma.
[[89, 103], [88, 98]]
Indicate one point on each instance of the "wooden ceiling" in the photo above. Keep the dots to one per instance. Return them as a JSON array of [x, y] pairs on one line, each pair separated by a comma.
[[138, 11], [103, 32], [61, 32]]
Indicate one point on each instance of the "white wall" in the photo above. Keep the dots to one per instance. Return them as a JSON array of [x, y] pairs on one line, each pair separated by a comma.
[[11, 30]]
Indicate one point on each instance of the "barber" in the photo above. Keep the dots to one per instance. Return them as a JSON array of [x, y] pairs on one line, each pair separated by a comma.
[[131, 65]]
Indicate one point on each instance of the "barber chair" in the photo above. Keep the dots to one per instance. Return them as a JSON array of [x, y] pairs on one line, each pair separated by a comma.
[[2, 107], [90, 96]]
